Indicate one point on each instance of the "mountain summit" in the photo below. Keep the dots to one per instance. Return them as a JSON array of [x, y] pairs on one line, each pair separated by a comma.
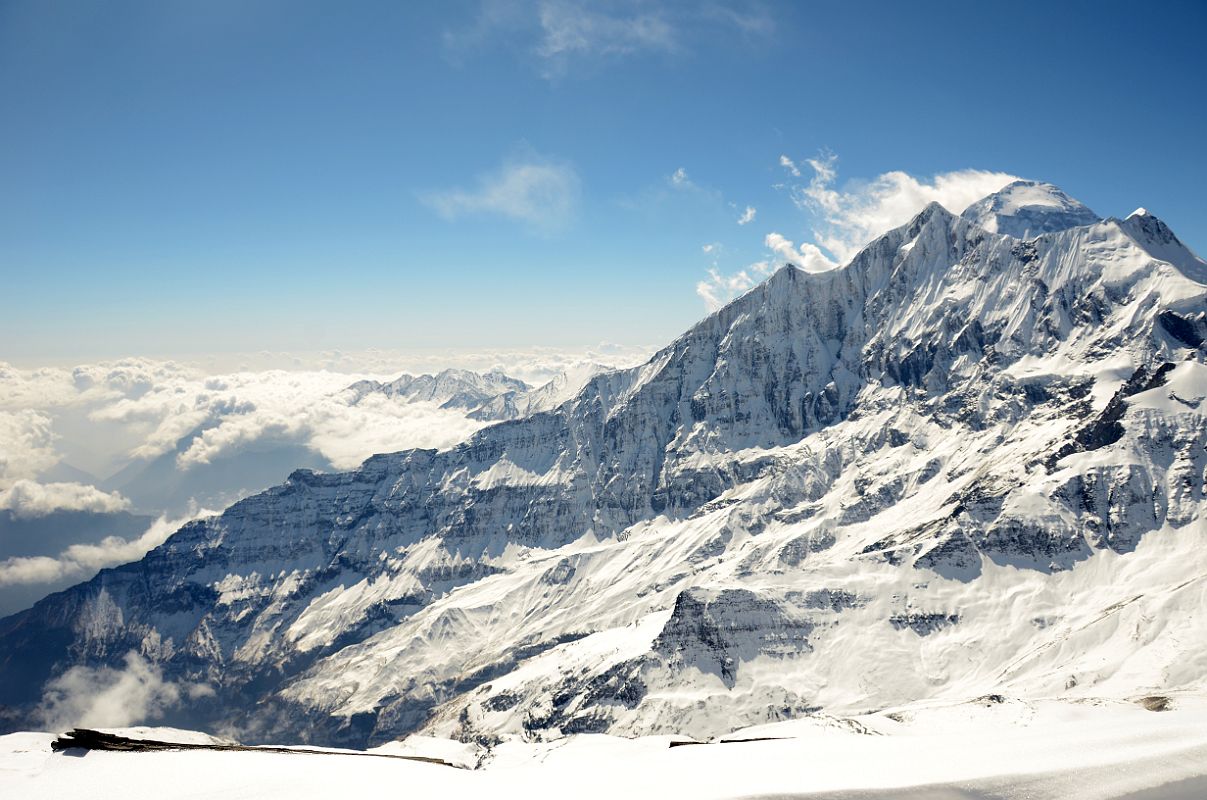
[[1160, 242], [1026, 209], [970, 463]]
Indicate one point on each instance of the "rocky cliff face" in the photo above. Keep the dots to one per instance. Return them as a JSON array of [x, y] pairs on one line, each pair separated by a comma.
[[967, 461]]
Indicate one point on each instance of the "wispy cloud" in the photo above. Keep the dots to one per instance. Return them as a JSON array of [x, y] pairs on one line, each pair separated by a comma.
[[82, 561], [747, 216], [720, 288], [571, 30], [847, 219], [844, 220], [561, 36], [680, 180], [97, 697], [540, 192], [28, 499], [808, 256]]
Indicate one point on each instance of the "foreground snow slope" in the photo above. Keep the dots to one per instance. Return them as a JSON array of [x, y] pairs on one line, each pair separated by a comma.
[[965, 463], [993, 748]]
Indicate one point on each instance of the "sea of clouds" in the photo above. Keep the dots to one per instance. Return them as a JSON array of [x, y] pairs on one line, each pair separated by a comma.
[[65, 431]]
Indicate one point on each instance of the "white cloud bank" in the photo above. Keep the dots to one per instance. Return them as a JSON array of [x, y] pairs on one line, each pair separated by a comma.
[[26, 443], [851, 218], [150, 405], [344, 434], [845, 220], [237, 410], [142, 409], [104, 697], [28, 499], [540, 192], [82, 561]]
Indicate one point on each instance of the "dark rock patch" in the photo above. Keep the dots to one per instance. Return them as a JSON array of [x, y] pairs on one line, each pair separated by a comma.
[[923, 624]]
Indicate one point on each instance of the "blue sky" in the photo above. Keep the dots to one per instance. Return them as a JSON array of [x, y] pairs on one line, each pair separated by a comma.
[[187, 178]]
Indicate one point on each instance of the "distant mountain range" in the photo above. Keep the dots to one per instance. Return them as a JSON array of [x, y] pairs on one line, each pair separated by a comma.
[[452, 388], [487, 397], [161, 485]]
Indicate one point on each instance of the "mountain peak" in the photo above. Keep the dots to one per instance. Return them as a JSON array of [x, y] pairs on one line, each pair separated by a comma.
[[787, 272], [1026, 209], [933, 210], [1159, 241]]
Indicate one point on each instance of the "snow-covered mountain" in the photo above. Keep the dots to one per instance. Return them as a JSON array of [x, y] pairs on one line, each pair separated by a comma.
[[452, 388], [968, 463], [485, 397], [560, 388]]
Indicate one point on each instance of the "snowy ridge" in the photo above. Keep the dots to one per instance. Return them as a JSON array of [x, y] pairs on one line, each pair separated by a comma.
[[967, 463], [515, 404], [1160, 242], [486, 397], [452, 388]]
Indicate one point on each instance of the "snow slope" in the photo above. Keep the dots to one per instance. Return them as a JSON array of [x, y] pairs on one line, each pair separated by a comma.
[[967, 463], [1006, 750]]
